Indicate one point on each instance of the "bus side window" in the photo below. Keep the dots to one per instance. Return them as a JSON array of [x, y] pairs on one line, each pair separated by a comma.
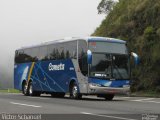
[[43, 55], [34, 54], [51, 52], [27, 55], [71, 50], [82, 57]]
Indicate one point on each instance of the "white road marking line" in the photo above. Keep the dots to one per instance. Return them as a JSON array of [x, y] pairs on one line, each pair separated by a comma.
[[144, 99], [24, 104], [107, 116], [152, 101], [38, 98], [147, 100]]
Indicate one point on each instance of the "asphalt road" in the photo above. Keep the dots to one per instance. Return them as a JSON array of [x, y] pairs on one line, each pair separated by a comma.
[[90, 107]]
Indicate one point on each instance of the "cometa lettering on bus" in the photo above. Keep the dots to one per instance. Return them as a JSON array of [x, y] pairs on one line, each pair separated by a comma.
[[52, 67]]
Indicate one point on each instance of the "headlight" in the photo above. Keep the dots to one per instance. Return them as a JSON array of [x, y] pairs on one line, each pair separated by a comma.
[[95, 84], [126, 86]]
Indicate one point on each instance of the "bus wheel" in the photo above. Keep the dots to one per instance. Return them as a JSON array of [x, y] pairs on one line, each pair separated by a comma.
[[109, 97], [30, 89], [25, 89], [31, 92], [74, 92]]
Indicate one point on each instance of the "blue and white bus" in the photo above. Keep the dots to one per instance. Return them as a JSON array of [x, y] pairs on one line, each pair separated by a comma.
[[78, 66]]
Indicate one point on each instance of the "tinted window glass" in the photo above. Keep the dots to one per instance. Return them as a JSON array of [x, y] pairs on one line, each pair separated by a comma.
[[70, 49], [34, 54], [54, 52], [101, 65], [59, 51], [110, 66], [62, 51], [121, 67], [26, 55], [19, 57], [82, 56], [43, 55]]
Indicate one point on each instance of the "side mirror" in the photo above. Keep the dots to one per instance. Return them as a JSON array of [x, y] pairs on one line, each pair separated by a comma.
[[136, 58], [89, 56]]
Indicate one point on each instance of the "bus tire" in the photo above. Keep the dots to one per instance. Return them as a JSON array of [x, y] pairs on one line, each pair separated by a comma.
[[74, 92], [109, 97], [25, 89], [31, 91]]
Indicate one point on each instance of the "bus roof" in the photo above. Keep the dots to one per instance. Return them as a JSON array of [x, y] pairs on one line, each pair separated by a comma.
[[105, 39], [88, 39]]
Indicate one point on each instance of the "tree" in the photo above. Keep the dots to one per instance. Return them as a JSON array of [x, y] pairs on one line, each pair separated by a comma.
[[105, 6], [67, 54], [53, 54], [62, 56]]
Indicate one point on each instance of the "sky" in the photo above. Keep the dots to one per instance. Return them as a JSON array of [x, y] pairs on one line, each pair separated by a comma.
[[30, 22]]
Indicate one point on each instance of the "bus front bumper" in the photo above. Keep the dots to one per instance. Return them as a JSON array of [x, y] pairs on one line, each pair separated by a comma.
[[108, 90]]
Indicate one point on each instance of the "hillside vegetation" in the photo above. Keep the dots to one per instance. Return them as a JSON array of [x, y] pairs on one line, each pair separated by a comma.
[[137, 22]]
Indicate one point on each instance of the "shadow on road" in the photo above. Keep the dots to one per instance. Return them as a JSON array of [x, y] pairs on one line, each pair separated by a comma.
[[82, 99]]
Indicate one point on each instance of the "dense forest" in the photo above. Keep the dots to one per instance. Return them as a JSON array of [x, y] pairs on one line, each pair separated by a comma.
[[137, 22]]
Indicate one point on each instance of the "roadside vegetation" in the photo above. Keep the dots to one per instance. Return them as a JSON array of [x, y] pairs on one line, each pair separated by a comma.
[[137, 22], [9, 91]]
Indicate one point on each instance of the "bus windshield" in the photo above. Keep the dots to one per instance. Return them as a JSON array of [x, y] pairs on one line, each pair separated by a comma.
[[110, 66]]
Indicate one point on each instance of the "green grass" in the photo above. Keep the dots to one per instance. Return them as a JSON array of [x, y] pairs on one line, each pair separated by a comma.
[[9, 91], [146, 94]]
